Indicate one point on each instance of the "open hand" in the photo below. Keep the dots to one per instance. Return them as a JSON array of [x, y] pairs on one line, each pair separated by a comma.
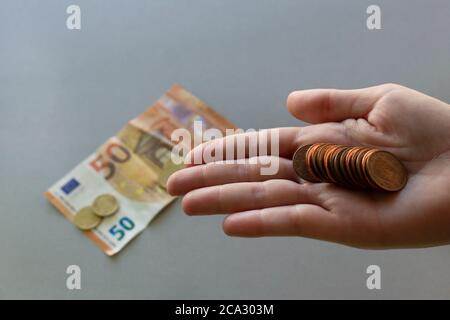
[[409, 124]]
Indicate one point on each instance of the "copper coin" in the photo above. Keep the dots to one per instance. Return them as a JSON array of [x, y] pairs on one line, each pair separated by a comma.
[[386, 171], [310, 161], [328, 157], [319, 161], [324, 155], [353, 167], [300, 164], [367, 177], [359, 167], [348, 167], [337, 172], [312, 158], [343, 168]]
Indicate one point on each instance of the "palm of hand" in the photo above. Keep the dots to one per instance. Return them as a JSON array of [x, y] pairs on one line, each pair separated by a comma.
[[419, 215], [414, 127]]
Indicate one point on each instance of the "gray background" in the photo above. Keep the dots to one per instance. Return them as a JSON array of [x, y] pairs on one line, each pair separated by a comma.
[[62, 93]]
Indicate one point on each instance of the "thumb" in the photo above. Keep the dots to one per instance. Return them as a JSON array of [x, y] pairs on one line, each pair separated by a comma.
[[333, 105]]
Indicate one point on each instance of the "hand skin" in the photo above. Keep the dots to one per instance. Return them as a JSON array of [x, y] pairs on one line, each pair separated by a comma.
[[411, 125]]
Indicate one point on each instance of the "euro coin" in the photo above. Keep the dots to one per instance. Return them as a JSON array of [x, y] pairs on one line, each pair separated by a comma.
[[105, 205], [86, 219]]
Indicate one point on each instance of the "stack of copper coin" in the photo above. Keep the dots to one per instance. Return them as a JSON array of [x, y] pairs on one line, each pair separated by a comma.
[[353, 167]]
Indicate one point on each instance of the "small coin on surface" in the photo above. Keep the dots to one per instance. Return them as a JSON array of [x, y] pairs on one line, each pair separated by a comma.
[[86, 219], [105, 205]]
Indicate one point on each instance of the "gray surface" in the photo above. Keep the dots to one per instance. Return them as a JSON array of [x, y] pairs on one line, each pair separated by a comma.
[[62, 93]]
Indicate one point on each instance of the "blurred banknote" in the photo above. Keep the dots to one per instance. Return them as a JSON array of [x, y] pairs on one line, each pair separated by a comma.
[[133, 167]]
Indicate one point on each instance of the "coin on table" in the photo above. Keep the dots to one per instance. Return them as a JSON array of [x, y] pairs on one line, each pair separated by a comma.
[[168, 169], [105, 205], [86, 219], [386, 171]]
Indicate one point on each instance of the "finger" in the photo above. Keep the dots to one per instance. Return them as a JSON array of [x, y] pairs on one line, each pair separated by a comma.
[[283, 144], [218, 173], [245, 196], [306, 220], [332, 105], [331, 132], [277, 141]]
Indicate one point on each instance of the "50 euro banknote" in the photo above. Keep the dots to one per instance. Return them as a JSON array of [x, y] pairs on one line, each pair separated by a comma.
[[133, 166]]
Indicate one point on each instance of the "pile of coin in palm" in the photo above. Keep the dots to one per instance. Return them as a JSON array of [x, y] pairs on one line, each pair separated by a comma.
[[90, 217], [352, 167]]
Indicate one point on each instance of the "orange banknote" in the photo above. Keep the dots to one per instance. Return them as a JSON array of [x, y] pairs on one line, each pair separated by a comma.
[[133, 166]]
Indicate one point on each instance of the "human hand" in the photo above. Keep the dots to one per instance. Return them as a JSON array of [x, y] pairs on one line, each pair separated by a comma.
[[412, 126]]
